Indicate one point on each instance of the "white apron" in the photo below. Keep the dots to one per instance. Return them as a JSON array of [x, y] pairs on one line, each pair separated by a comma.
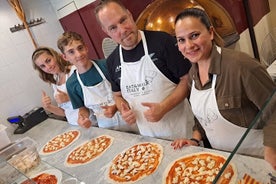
[[222, 134], [70, 113], [100, 95], [141, 81]]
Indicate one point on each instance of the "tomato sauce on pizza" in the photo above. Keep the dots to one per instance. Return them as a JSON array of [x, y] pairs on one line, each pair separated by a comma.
[[135, 163], [89, 151], [60, 142], [43, 178], [199, 168]]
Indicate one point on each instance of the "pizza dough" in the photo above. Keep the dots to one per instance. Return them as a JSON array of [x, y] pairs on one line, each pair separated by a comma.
[[136, 163], [60, 142], [89, 151], [199, 168]]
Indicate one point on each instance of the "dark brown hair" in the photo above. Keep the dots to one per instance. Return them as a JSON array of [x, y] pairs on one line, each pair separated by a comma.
[[204, 19]]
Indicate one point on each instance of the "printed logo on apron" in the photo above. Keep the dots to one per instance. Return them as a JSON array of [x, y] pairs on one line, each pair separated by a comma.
[[142, 81]]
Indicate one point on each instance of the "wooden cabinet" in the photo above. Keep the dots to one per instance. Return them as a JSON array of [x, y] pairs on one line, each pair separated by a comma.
[[74, 22], [83, 21], [93, 28], [236, 9]]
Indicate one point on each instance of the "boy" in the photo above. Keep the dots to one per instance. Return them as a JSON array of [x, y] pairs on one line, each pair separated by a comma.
[[88, 87]]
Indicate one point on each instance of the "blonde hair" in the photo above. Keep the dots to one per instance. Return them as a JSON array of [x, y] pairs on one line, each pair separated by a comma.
[[62, 64]]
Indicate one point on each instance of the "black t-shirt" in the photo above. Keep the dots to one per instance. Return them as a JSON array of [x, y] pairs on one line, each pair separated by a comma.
[[163, 51]]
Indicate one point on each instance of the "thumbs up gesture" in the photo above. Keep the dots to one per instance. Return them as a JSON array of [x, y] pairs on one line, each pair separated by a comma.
[[127, 114], [84, 121], [154, 112], [45, 100], [109, 110], [61, 97]]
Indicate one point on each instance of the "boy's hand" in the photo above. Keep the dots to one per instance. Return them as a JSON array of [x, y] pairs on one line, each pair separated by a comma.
[[109, 111], [84, 121], [127, 114]]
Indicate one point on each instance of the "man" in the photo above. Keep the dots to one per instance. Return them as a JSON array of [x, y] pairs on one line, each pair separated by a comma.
[[148, 75]]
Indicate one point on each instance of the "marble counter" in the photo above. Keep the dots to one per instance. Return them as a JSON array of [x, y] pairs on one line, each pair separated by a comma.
[[95, 171]]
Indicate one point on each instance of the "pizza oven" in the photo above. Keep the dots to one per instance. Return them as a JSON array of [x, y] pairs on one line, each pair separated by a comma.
[[160, 16]]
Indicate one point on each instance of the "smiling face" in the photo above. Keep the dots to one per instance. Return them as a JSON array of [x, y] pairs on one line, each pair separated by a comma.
[[76, 53], [47, 63], [194, 40], [118, 23]]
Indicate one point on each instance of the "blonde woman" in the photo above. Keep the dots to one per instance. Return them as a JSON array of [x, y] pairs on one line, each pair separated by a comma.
[[53, 69]]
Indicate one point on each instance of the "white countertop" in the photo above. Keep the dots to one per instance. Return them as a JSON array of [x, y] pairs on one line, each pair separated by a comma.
[[95, 171]]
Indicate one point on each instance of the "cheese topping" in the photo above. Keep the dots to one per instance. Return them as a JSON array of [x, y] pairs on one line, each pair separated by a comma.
[[60, 141], [136, 162], [198, 168], [89, 151]]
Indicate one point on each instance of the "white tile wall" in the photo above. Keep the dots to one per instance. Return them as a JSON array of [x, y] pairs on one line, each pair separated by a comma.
[[20, 85]]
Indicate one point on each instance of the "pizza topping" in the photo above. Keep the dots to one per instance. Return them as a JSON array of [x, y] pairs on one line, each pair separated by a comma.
[[61, 141], [43, 178], [89, 150], [136, 162], [200, 168]]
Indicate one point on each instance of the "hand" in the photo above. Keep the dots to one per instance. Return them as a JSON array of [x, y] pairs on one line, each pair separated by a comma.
[[61, 97], [109, 111], [179, 143], [270, 156], [154, 113], [84, 121], [127, 114], [46, 100]]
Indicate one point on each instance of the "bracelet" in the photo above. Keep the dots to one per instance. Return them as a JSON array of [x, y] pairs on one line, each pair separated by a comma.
[[195, 140]]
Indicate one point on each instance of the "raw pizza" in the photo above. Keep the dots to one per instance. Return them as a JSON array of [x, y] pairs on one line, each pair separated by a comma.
[[135, 163], [199, 168], [89, 151], [60, 142]]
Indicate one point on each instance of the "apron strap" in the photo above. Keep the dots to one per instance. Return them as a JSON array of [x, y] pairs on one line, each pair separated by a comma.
[[214, 79], [144, 45], [97, 68]]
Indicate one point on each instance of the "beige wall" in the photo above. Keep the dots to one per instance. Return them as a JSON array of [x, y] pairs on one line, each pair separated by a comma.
[[264, 26]]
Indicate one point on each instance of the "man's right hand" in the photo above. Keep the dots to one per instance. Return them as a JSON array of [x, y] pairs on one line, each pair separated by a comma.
[[127, 114]]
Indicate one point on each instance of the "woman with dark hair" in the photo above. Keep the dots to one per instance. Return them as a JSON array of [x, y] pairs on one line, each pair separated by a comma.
[[228, 89], [53, 69]]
